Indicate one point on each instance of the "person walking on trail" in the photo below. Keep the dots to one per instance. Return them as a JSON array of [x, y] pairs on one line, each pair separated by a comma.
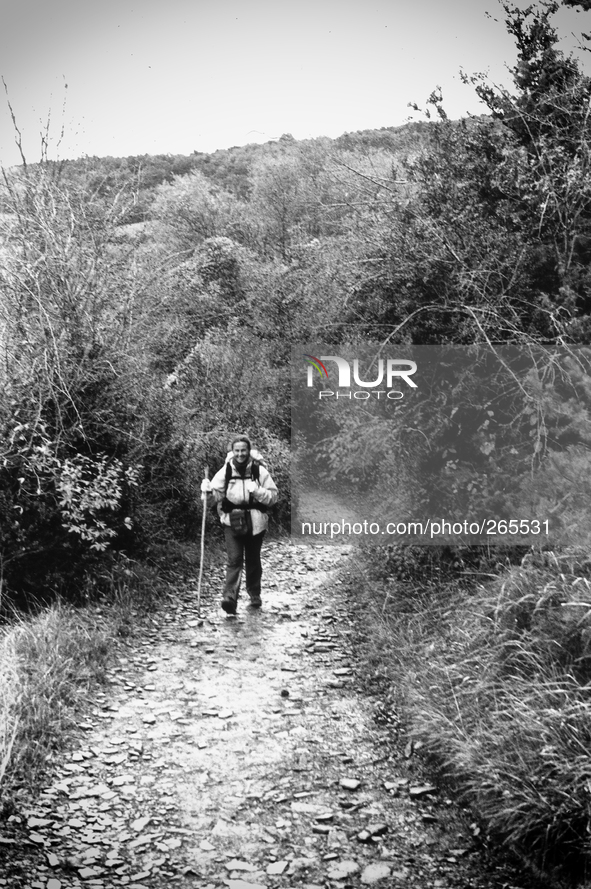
[[243, 490]]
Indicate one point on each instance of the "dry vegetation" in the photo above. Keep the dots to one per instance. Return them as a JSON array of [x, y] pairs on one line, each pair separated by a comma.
[[493, 681]]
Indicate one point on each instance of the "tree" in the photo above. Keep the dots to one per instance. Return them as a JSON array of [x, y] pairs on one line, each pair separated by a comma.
[[279, 197], [547, 172], [490, 239], [205, 292], [192, 209]]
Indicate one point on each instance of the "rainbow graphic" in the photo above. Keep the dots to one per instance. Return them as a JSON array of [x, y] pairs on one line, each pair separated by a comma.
[[317, 363]]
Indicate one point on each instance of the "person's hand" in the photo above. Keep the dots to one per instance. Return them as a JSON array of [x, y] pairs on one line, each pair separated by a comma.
[[206, 486]]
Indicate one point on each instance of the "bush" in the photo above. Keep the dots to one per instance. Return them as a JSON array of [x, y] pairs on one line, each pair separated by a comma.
[[67, 397], [58, 511]]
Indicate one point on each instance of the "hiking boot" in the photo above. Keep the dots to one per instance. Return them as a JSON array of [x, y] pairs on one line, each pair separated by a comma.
[[229, 605], [256, 602]]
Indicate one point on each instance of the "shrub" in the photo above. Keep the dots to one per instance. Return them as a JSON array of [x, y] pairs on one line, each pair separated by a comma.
[[57, 511]]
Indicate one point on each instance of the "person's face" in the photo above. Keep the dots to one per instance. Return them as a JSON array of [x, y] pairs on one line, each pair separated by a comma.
[[240, 452]]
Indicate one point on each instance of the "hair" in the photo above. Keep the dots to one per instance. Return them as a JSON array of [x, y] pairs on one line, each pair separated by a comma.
[[243, 438]]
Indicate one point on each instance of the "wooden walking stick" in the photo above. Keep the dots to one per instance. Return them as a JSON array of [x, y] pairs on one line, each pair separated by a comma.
[[204, 498]]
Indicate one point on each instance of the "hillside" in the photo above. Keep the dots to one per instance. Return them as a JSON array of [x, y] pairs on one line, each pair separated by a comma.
[[229, 168]]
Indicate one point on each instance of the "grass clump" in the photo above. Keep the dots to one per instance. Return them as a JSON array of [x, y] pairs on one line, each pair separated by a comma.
[[496, 681], [9, 696], [52, 661], [48, 664]]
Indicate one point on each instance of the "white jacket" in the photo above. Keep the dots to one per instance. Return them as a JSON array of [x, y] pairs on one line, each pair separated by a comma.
[[239, 490]]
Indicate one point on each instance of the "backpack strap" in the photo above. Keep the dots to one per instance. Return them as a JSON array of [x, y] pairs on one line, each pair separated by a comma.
[[255, 474]]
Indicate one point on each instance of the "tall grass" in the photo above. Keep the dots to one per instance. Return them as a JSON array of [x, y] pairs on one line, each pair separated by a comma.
[[51, 662], [48, 663], [496, 681], [9, 698]]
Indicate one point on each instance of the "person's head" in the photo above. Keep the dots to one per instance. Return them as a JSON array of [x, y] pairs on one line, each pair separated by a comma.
[[241, 448]]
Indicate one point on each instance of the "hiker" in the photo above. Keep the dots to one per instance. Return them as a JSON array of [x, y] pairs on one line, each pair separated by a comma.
[[244, 491]]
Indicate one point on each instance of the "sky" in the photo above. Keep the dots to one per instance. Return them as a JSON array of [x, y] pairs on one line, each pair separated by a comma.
[[129, 77]]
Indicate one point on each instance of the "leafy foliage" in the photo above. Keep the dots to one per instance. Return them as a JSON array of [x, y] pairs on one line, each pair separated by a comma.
[[67, 460]]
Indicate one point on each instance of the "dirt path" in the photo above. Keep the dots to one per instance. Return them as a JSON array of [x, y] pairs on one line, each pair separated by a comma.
[[239, 752]]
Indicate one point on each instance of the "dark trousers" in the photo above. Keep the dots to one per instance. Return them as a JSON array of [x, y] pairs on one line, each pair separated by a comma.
[[241, 550]]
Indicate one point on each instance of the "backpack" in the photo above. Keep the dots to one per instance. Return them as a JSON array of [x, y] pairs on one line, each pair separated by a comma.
[[255, 474]]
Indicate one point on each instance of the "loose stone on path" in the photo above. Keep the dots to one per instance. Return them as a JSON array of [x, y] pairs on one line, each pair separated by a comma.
[[251, 770]]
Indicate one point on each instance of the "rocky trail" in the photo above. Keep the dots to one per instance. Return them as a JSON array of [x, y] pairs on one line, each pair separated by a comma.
[[242, 752]]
